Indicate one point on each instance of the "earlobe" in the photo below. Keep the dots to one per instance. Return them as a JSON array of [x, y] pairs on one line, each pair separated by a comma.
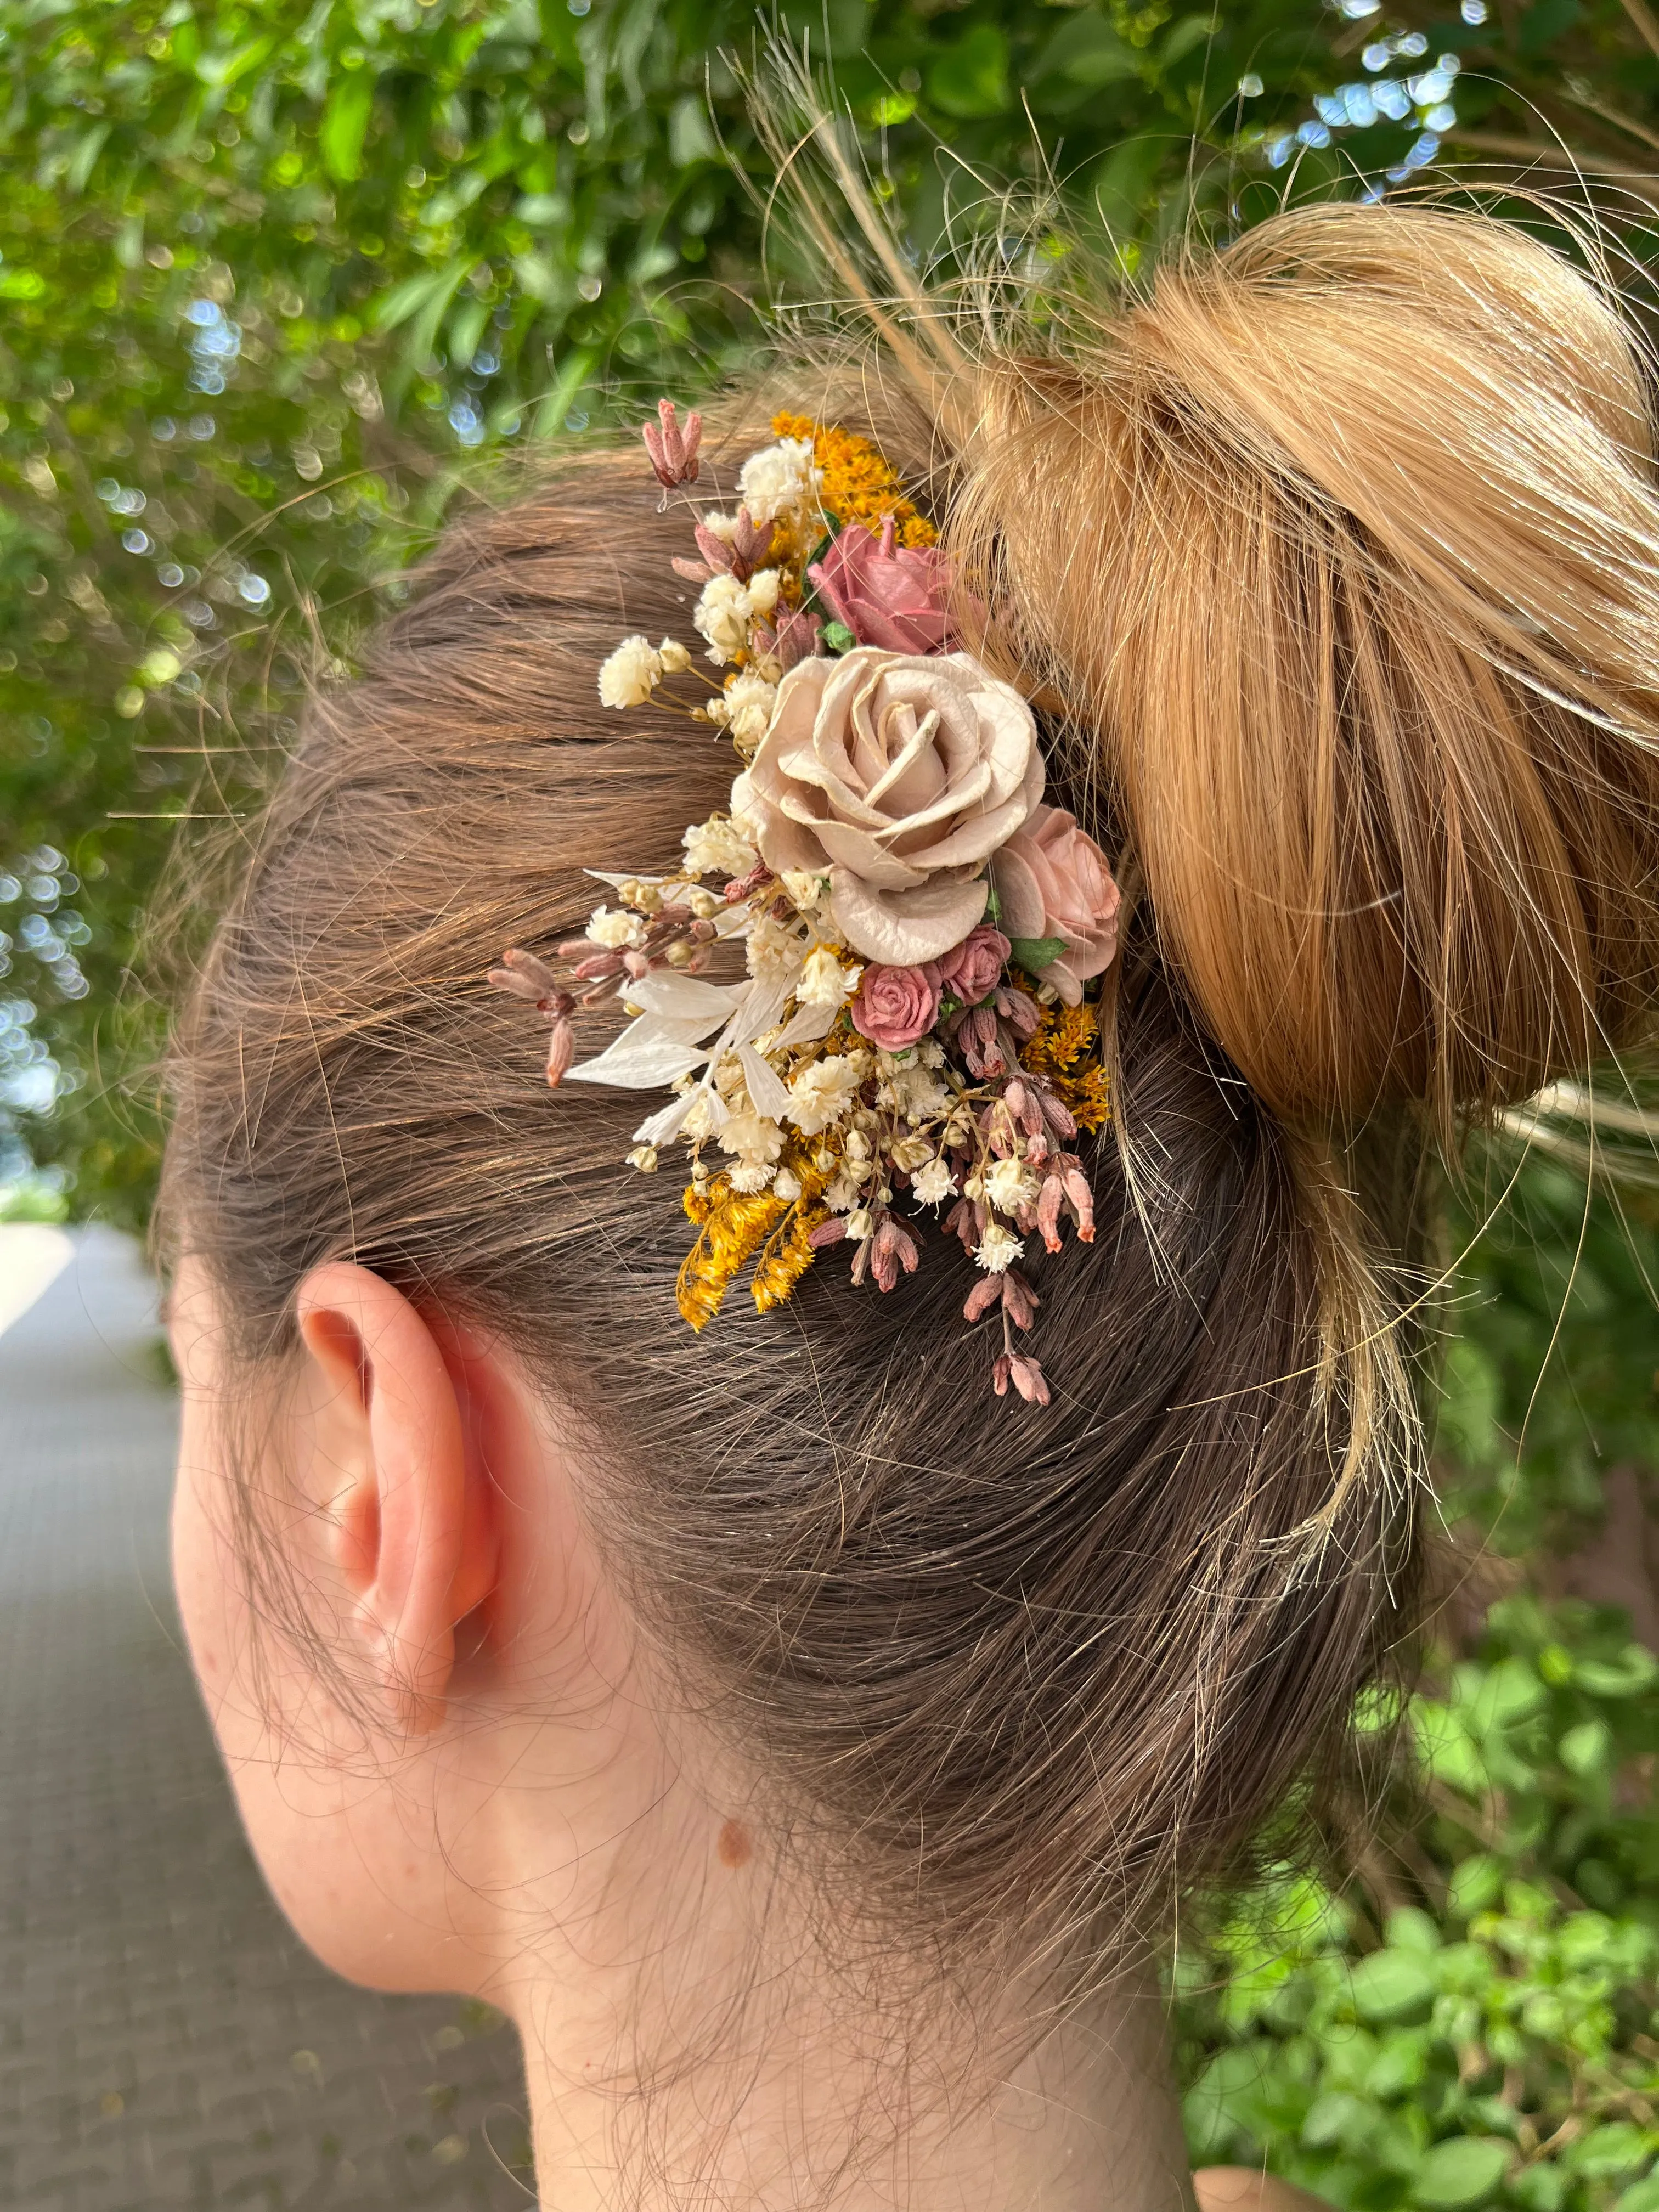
[[414, 1535]]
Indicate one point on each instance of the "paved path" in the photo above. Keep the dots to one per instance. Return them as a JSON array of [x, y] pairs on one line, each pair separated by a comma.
[[166, 2044]]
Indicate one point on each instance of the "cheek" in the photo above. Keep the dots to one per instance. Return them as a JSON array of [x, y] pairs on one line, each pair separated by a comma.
[[207, 1580], [329, 1832]]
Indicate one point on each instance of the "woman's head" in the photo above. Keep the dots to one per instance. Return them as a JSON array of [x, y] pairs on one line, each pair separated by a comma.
[[1329, 564]]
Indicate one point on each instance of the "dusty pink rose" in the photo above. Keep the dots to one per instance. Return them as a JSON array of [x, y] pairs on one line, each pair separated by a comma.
[[1054, 881], [896, 1006], [898, 776], [971, 970], [896, 597]]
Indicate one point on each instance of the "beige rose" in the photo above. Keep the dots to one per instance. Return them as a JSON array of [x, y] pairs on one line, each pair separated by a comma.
[[900, 775]]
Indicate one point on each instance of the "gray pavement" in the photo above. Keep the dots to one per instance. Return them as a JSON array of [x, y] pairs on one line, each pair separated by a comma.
[[164, 2042]]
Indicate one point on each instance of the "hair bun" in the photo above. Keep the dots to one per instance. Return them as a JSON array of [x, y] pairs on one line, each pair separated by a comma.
[[1344, 544]]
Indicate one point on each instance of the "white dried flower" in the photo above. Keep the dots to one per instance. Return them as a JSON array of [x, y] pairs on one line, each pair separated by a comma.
[[772, 947], [749, 703], [704, 905], [1009, 1184], [718, 848], [860, 1223], [824, 981], [998, 1249], [643, 897], [857, 1145], [788, 1184], [805, 890], [644, 1158], [722, 615], [674, 656], [780, 480], [699, 1121], [631, 674], [823, 1093], [762, 588], [917, 1092], [751, 1137], [614, 930], [749, 1177], [841, 1195], [933, 1183], [911, 1153]]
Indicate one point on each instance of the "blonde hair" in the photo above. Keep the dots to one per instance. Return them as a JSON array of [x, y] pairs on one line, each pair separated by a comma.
[[1332, 561]]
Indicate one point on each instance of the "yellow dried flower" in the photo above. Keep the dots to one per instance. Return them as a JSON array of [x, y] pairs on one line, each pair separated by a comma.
[[786, 1256], [858, 486], [734, 1226], [1087, 1098], [1066, 1048], [1061, 1038]]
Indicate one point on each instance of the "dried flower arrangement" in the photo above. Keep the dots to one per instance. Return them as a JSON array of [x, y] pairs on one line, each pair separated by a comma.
[[923, 935]]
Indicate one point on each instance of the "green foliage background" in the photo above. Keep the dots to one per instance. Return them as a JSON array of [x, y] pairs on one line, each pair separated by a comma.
[[279, 284]]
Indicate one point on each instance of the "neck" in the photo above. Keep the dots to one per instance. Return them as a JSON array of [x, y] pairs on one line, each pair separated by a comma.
[[716, 2062]]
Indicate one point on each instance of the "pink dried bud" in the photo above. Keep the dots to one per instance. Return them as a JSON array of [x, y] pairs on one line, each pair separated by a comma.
[[703, 933], [1015, 1098], [1019, 1301], [635, 963], [976, 1034], [894, 1248], [828, 1233], [1019, 1010], [523, 975], [673, 451], [1028, 1379], [966, 1220], [751, 542], [1050, 1201], [1058, 1117], [561, 1051], [1036, 1149], [1083, 1202], [695, 572], [983, 1295], [1005, 1361], [715, 551], [799, 637], [598, 966], [576, 948], [745, 886]]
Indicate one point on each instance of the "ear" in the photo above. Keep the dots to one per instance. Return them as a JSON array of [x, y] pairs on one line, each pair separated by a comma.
[[410, 1505]]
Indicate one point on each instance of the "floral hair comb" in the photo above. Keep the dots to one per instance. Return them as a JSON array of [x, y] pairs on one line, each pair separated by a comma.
[[923, 936]]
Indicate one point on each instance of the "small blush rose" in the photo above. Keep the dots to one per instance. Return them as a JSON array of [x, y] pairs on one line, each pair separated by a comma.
[[1054, 881], [896, 597], [896, 1006], [970, 970]]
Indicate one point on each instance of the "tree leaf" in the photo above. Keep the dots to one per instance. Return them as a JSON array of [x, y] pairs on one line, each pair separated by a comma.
[[345, 124], [1464, 2171]]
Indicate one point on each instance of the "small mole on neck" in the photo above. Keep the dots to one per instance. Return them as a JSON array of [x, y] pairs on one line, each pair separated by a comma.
[[734, 1846]]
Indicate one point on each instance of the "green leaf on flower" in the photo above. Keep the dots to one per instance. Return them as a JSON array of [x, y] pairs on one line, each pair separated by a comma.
[[838, 637], [1036, 953]]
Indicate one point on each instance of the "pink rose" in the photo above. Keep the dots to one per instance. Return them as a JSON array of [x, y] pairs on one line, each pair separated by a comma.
[[896, 1006], [1053, 881], [895, 597], [971, 969]]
